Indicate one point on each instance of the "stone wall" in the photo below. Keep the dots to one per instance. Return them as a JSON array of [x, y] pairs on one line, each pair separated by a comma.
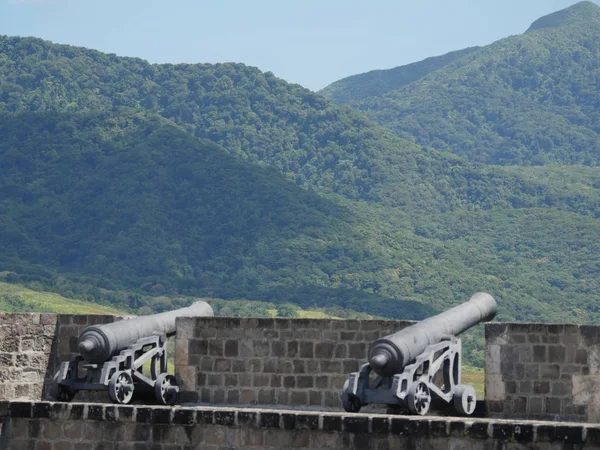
[[32, 345], [288, 362], [79, 426], [543, 371]]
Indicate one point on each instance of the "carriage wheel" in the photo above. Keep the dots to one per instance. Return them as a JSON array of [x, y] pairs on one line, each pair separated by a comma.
[[166, 389], [465, 399], [120, 387], [418, 398]]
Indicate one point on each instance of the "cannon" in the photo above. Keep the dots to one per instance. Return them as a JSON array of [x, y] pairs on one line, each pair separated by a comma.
[[112, 357], [420, 364]]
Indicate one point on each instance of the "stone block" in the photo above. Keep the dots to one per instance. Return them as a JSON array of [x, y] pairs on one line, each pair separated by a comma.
[[277, 349], [271, 366], [581, 356], [238, 365], [322, 382], [248, 396], [519, 405], [495, 333], [231, 348], [556, 354], [276, 381], [299, 366], [215, 348], [222, 365], [509, 353], [525, 353], [549, 371], [299, 398], [330, 366], [245, 379], [266, 396], [532, 371], [269, 420], [207, 364], [552, 405], [536, 405], [492, 359], [231, 380], [540, 353], [331, 336], [550, 338], [92, 431], [324, 350], [214, 379], [261, 349], [219, 396], [305, 381], [525, 387], [233, 396], [541, 387], [307, 349], [315, 398], [350, 365], [292, 349], [340, 351], [560, 388], [312, 366], [357, 350], [195, 347], [260, 380]]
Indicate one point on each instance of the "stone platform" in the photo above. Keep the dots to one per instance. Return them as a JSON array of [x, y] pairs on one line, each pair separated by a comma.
[[75, 426]]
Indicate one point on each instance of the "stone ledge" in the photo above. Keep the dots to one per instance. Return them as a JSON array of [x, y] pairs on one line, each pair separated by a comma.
[[522, 431]]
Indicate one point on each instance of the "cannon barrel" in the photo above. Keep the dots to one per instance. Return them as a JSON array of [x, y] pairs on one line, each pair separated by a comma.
[[98, 344], [390, 354]]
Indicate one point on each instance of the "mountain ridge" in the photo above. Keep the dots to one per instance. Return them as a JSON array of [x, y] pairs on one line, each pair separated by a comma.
[[523, 100], [581, 12]]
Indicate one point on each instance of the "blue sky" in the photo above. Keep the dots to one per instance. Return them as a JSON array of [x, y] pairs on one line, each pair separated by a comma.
[[309, 42]]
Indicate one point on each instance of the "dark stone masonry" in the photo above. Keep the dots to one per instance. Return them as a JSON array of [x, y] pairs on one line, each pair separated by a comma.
[[293, 370], [79, 426], [284, 362], [32, 345], [543, 371]]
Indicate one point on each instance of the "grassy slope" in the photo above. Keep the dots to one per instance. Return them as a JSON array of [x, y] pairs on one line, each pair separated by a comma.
[[34, 301]]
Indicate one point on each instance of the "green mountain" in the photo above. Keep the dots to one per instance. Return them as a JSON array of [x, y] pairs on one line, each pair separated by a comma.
[[223, 181], [531, 99], [126, 199]]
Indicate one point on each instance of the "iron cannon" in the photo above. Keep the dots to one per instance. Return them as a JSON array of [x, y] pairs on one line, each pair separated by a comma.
[[420, 363], [113, 357]]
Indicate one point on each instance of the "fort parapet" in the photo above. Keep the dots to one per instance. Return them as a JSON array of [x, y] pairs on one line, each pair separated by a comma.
[[543, 371], [275, 383]]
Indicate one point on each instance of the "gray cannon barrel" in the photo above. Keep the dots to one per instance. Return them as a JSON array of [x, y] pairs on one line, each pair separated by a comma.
[[98, 344], [390, 354]]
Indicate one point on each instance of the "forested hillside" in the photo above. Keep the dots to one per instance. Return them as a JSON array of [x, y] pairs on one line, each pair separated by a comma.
[[222, 181], [531, 99]]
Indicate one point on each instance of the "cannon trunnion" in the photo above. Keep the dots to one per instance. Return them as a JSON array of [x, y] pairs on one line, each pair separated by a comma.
[[113, 357], [420, 364]]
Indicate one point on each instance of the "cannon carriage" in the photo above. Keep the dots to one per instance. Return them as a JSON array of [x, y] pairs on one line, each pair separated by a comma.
[[112, 358], [420, 364]]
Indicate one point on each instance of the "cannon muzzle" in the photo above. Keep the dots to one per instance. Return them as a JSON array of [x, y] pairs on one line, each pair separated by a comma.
[[98, 344], [390, 354]]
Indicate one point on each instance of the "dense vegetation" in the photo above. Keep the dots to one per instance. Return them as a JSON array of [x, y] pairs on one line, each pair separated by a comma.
[[143, 186], [257, 118], [531, 99]]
